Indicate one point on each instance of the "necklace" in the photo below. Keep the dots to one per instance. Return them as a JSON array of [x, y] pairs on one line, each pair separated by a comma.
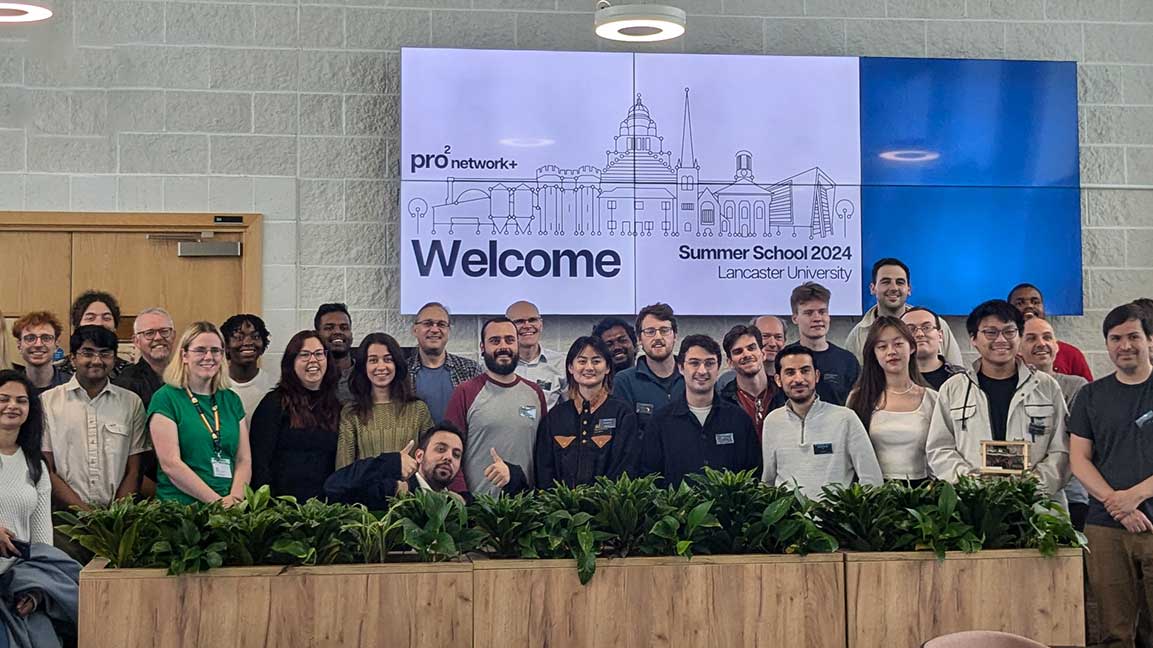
[[910, 388]]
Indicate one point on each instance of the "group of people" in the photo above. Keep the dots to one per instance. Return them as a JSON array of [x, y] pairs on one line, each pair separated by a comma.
[[196, 418]]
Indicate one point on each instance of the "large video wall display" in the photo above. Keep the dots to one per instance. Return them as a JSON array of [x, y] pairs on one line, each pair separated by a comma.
[[593, 183]]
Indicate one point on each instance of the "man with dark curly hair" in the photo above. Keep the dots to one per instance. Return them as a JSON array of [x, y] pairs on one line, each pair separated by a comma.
[[96, 308]]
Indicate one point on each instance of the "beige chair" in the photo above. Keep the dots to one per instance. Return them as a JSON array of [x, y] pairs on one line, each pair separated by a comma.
[[981, 639]]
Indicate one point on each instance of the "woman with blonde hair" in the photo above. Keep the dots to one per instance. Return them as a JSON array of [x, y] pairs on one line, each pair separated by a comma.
[[197, 424]]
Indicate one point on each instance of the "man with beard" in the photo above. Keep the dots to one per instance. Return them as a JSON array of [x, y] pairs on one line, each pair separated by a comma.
[[94, 431], [152, 335], [751, 389], [811, 443], [1000, 399], [837, 368], [772, 330], [498, 412], [1027, 298], [538, 364], [656, 380], [926, 328], [891, 285], [434, 371], [1039, 348], [621, 339], [699, 429], [374, 481], [334, 326], [245, 340], [37, 336]]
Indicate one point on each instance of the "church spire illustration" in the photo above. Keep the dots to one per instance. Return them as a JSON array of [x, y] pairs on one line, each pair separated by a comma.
[[639, 192]]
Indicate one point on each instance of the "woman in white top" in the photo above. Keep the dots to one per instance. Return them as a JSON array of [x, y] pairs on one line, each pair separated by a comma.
[[25, 490], [893, 402]]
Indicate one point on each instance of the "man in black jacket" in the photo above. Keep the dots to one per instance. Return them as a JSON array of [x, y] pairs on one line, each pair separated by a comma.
[[702, 429], [433, 466]]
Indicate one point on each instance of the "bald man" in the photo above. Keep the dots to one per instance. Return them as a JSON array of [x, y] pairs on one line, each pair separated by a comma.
[[537, 364]]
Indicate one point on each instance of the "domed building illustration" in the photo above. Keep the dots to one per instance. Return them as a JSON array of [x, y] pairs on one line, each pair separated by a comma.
[[640, 191]]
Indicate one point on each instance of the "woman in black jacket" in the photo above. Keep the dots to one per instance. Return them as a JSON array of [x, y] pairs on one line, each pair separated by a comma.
[[591, 433], [294, 429]]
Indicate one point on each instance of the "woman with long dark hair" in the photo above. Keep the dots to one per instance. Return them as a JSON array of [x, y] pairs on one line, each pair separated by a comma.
[[295, 428], [385, 415], [591, 434], [892, 400]]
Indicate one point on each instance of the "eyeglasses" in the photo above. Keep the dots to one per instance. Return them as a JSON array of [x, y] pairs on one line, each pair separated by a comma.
[[695, 364], [151, 334], [44, 338], [533, 321], [1009, 332], [924, 328], [428, 323], [652, 331], [103, 354], [200, 352], [317, 355]]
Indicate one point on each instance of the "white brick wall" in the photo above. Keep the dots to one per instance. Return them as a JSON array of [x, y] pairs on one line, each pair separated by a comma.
[[291, 108]]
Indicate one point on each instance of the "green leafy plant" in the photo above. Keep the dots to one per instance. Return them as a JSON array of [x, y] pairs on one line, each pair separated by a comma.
[[686, 522], [1052, 529], [123, 532], [938, 527], [738, 500], [435, 525], [787, 525], [509, 526], [625, 512], [374, 536], [870, 518]]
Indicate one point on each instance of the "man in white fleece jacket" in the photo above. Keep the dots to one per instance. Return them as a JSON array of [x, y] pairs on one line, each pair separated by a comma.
[[811, 443]]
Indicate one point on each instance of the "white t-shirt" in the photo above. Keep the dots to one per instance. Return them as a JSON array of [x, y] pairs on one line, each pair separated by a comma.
[[899, 439], [701, 413], [253, 391]]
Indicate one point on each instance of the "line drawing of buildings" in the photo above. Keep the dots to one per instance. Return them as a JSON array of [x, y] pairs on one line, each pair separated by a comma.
[[641, 191]]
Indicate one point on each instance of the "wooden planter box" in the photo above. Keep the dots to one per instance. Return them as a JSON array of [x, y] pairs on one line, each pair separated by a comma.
[[425, 605], [905, 599], [708, 602]]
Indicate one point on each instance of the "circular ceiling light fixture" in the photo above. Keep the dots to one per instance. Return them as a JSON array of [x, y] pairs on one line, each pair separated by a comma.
[[21, 12], [637, 23], [909, 155]]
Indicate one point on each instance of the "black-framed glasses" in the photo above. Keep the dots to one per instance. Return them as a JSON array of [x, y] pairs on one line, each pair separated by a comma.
[[43, 338], [91, 354], [317, 355], [164, 333]]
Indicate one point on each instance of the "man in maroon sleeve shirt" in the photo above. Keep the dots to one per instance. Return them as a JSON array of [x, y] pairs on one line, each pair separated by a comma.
[[1027, 299]]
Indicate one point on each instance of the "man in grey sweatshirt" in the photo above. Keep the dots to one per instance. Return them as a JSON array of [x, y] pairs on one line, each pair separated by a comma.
[[811, 443]]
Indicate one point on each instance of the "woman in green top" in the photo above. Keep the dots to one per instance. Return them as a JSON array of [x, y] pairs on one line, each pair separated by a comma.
[[197, 424], [385, 414]]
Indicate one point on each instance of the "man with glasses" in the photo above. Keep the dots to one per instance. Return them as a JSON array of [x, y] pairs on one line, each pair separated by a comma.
[[1027, 298], [699, 429], [334, 326], [245, 340], [538, 364], [999, 399], [152, 334], [94, 431], [433, 370], [926, 328], [36, 339], [656, 380]]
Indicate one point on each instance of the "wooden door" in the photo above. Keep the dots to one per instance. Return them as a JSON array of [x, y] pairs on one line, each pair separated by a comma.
[[144, 272], [37, 276]]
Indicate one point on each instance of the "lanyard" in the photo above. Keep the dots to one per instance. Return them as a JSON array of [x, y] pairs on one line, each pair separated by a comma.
[[214, 431]]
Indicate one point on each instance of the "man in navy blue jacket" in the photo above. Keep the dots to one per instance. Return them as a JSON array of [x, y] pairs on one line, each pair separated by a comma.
[[701, 428], [655, 380], [433, 466]]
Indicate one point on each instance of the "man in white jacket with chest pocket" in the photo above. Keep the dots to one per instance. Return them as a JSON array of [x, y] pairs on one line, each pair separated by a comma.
[[999, 399]]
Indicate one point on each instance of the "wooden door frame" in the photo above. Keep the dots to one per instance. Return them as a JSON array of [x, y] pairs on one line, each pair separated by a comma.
[[249, 228]]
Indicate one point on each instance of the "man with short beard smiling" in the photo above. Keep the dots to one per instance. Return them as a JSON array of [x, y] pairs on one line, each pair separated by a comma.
[[152, 334], [621, 339], [433, 370], [373, 482], [656, 380], [498, 412], [334, 326], [752, 388]]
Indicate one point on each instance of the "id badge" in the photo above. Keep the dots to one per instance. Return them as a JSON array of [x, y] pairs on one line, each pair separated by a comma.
[[725, 439], [221, 468]]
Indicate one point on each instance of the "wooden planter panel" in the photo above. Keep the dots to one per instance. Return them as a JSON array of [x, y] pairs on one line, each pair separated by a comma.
[[336, 606], [729, 601], [905, 599]]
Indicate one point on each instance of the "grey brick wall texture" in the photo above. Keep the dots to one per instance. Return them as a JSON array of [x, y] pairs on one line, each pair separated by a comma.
[[291, 108]]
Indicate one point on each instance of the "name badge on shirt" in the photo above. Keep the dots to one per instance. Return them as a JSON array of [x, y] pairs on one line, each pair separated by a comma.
[[545, 385], [221, 468], [725, 439], [644, 408], [1144, 419], [528, 411], [822, 448], [607, 424]]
